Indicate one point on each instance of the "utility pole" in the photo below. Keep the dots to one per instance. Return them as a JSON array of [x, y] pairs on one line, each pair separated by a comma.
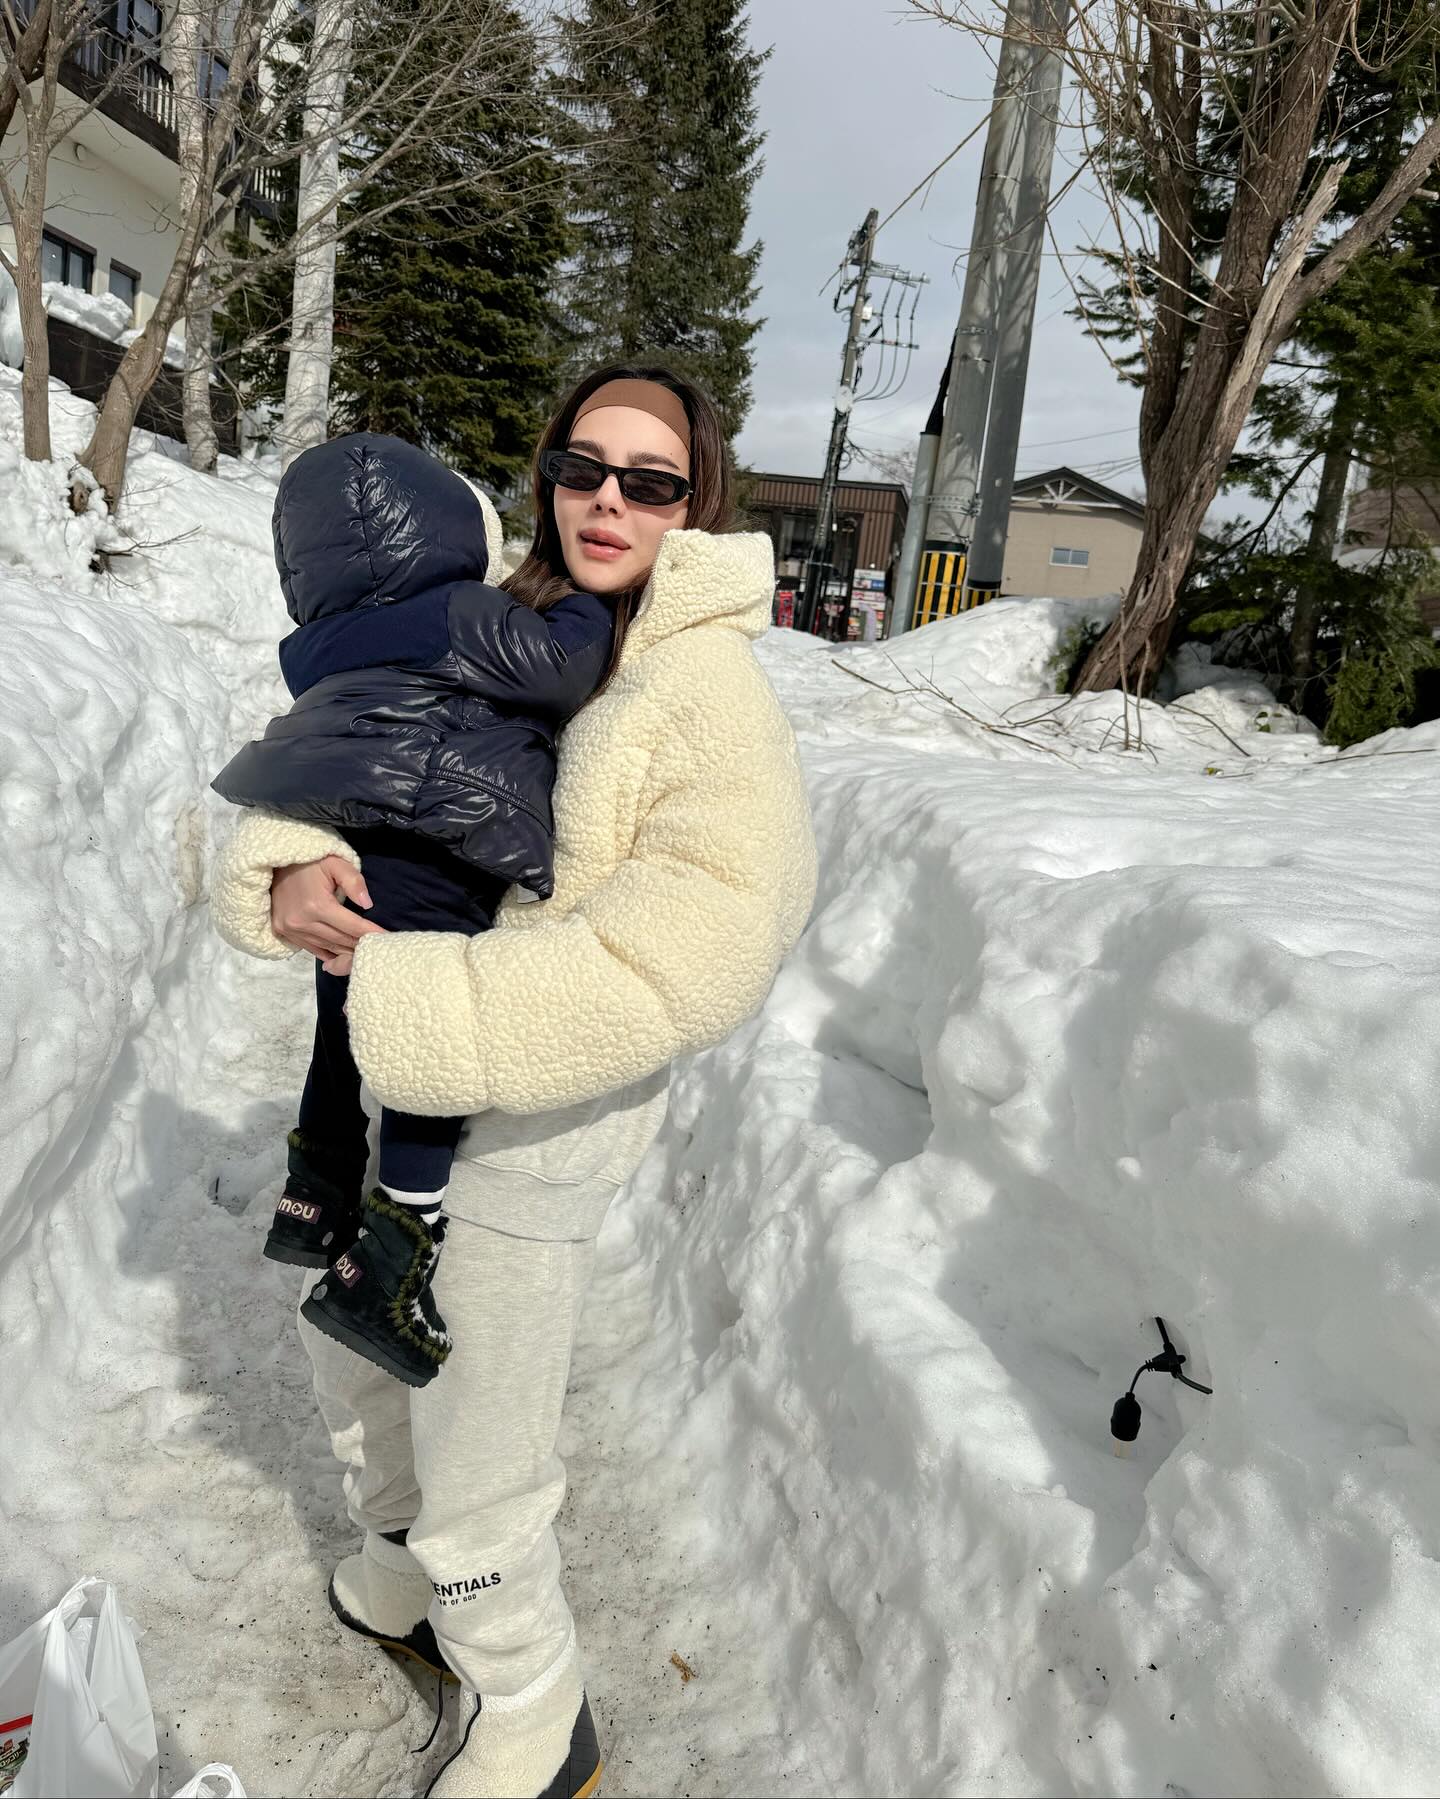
[[901, 613], [967, 406], [860, 256], [1018, 151], [1023, 229]]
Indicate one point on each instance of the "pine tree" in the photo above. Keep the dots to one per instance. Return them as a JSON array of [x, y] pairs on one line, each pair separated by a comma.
[[444, 320], [665, 115], [445, 323]]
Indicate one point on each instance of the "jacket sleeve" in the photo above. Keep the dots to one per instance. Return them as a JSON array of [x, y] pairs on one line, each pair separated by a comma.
[[508, 654], [670, 954], [240, 887]]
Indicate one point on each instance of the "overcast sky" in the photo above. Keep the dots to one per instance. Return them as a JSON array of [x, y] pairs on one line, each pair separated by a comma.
[[859, 100]]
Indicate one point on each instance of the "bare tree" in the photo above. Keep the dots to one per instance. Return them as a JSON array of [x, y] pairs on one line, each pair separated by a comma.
[[888, 465], [1146, 75], [33, 43], [442, 57], [207, 141], [312, 313]]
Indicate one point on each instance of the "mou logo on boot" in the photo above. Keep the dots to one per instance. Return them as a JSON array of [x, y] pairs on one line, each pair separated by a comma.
[[456, 1592], [304, 1209], [348, 1271]]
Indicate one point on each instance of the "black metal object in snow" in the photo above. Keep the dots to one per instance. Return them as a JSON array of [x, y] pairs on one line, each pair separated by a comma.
[[1125, 1418]]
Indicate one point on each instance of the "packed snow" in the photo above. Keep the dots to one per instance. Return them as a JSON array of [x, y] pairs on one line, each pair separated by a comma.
[[105, 315], [1106, 1011]]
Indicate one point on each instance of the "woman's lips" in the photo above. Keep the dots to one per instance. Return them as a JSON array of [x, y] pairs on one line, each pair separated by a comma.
[[599, 551]]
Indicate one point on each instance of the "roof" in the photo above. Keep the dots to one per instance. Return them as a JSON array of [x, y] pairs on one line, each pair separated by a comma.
[[811, 483], [1068, 487]]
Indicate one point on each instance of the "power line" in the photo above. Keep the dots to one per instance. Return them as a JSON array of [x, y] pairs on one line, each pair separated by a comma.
[[1050, 443]]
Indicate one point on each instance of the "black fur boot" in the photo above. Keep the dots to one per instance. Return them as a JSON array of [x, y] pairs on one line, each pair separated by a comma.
[[318, 1216], [376, 1298]]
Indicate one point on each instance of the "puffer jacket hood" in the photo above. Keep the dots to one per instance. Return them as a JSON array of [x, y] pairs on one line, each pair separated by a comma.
[[368, 518], [425, 698]]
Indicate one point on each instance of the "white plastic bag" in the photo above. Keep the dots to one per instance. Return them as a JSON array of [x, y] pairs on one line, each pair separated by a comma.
[[73, 1704], [216, 1780]]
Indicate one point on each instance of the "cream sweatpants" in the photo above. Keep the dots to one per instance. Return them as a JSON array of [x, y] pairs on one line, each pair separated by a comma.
[[468, 1464]]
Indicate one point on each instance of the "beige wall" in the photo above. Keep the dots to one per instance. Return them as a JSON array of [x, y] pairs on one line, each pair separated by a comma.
[[126, 192], [1112, 538], [117, 197]]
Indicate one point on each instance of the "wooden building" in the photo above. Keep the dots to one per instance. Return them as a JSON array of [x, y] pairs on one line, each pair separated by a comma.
[[1403, 516], [869, 527]]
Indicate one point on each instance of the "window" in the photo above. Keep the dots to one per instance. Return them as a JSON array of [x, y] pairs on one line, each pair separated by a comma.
[[125, 285], [214, 72], [797, 534], [62, 260], [1060, 558], [141, 21]]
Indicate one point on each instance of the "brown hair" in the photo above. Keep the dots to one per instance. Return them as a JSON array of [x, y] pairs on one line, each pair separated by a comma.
[[542, 578]]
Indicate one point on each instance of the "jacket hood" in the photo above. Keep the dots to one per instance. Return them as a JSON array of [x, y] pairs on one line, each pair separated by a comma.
[[702, 578], [367, 518]]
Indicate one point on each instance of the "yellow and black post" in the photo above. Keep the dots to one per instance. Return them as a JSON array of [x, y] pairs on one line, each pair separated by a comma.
[[941, 592]]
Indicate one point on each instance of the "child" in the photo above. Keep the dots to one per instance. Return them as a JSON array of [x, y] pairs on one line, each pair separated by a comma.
[[426, 707]]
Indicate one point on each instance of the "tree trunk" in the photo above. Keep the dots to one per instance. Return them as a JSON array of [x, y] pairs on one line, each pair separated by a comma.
[[24, 62], [35, 375], [36, 57], [1324, 533], [187, 49], [200, 438], [1213, 403], [109, 447], [312, 320], [1132, 652]]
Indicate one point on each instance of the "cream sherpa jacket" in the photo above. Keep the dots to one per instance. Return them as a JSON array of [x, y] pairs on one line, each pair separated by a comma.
[[684, 870]]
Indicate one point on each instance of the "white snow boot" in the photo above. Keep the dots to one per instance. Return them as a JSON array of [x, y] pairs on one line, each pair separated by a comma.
[[384, 1594], [539, 1743]]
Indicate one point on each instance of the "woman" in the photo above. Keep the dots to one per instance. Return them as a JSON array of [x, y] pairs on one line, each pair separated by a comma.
[[684, 870]]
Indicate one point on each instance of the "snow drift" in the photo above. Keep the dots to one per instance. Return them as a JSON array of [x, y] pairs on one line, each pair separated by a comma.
[[1079, 1034], [1064, 1049]]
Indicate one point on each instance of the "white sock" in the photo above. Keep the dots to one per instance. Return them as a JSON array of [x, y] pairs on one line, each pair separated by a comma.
[[426, 1206]]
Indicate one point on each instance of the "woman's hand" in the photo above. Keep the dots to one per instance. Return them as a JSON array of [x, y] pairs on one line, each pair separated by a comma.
[[306, 910]]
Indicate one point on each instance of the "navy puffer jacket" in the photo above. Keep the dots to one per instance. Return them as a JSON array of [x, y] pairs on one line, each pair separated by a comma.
[[423, 697]]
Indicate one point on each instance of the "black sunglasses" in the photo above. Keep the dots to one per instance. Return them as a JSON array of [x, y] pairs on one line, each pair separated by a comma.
[[641, 486]]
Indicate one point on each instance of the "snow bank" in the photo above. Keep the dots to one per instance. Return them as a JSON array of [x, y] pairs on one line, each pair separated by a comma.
[[1066, 1047], [988, 679], [107, 727], [121, 694]]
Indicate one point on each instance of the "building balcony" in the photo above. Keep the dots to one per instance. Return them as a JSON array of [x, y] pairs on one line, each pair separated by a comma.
[[124, 78], [141, 91], [265, 192]]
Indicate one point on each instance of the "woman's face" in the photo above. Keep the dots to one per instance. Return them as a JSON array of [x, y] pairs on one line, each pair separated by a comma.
[[609, 542]]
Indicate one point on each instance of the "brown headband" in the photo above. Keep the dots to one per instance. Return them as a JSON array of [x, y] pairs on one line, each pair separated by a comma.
[[643, 396]]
